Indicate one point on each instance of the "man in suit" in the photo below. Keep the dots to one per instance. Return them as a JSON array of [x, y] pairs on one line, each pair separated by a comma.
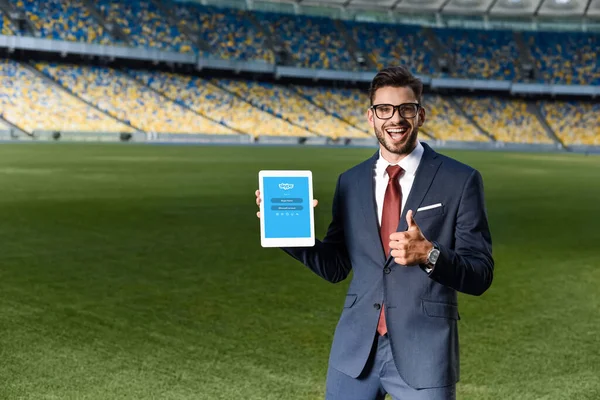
[[412, 225]]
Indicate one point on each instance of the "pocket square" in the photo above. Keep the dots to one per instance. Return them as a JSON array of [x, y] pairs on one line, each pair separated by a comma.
[[429, 207]]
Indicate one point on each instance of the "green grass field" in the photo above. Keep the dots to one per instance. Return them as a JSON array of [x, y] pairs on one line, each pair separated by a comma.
[[136, 272]]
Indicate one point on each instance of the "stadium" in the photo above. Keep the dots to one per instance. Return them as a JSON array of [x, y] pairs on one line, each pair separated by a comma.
[[132, 133]]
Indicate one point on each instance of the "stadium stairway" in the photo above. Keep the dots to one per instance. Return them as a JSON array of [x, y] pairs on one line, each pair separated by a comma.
[[4, 129], [52, 81], [235, 94], [442, 57], [353, 48], [185, 30], [14, 127], [183, 104], [526, 68], [113, 29], [282, 55], [325, 110], [534, 109], [462, 112], [428, 134], [5, 8], [15, 15]]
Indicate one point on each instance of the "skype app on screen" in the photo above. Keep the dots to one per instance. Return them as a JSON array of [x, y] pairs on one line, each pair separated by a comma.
[[286, 207]]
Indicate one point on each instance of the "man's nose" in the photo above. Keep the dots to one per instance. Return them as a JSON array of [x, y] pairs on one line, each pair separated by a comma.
[[396, 118]]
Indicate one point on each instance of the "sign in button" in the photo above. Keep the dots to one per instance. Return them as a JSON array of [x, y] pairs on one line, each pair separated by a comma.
[[286, 200]]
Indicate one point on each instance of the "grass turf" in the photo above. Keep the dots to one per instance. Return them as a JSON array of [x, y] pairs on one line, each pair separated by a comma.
[[136, 272]]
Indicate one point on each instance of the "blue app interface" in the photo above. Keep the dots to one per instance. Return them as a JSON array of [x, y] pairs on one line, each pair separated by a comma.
[[286, 207]]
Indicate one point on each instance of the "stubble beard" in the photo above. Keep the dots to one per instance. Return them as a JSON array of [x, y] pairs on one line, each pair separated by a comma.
[[402, 148]]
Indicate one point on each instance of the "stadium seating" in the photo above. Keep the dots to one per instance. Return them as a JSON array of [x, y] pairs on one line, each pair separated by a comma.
[[389, 45], [129, 101], [315, 42], [174, 103], [506, 120], [481, 54], [229, 32], [144, 25], [285, 103], [444, 122], [32, 103], [574, 122], [566, 58], [64, 20], [6, 25], [218, 104], [348, 104]]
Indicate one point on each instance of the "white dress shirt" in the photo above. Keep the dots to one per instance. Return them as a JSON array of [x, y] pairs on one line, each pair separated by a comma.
[[409, 164]]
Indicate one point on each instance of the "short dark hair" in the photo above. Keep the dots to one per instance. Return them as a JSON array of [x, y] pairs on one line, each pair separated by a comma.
[[396, 77]]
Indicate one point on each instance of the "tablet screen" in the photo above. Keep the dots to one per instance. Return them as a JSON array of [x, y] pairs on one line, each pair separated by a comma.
[[286, 213]]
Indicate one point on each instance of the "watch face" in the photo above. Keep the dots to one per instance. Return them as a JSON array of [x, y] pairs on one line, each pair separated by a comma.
[[433, 256]]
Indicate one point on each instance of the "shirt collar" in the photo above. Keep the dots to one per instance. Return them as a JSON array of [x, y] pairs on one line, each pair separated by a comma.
[[409, 164]]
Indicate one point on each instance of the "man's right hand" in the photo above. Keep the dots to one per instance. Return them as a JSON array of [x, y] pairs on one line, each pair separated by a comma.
[[257, 193]]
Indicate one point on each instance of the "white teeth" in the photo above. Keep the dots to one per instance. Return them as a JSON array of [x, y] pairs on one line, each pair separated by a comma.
[[402, 130]]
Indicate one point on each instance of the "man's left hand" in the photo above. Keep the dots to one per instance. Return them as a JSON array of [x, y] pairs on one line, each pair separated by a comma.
[[410, 248]]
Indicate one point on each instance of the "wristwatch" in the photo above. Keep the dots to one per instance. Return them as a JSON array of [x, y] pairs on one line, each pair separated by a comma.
[[432, 257]]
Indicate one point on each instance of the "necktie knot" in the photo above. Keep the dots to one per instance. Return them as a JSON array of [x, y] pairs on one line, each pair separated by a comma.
[[394, 171]]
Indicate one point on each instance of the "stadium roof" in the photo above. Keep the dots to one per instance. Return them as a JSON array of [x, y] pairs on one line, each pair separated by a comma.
[[550, 8]]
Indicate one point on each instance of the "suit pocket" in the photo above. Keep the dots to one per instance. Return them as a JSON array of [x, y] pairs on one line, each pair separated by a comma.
[[350, 300], [429, 213], [441, 310]]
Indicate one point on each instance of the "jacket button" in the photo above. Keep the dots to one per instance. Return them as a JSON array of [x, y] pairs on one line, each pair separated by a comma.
[[376, 306], [387, 270]]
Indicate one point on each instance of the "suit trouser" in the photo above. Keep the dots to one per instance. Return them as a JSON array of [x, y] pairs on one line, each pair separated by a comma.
[[380, 377]]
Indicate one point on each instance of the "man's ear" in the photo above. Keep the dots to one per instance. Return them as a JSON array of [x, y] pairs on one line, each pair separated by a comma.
[[370, 116], [422, 116]]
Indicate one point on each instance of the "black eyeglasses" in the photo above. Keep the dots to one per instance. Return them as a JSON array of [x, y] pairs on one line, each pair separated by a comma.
[[387, 111]]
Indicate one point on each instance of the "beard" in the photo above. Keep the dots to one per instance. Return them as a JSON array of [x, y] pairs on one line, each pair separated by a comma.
[[402, 147]]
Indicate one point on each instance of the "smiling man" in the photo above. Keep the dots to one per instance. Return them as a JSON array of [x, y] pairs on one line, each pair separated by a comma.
[[412, 225]]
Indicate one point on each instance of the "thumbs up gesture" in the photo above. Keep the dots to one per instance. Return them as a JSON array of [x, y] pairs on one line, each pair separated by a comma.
[[410, 247]]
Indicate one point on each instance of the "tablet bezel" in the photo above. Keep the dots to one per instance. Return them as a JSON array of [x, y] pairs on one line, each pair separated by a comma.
[[286, 242]]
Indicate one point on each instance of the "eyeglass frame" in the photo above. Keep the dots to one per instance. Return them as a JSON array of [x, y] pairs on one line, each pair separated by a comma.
[[419, 107]]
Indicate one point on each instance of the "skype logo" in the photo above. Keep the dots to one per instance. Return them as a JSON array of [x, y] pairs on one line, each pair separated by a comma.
[[286, 186]]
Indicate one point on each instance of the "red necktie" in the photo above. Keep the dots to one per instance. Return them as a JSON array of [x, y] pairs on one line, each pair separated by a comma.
[[390, 217]]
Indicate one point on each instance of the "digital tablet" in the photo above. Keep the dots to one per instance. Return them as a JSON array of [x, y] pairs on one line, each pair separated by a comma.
[[287, 218]]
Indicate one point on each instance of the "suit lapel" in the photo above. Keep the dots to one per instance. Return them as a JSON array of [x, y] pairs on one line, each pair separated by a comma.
[[428, 167], [365, 187]]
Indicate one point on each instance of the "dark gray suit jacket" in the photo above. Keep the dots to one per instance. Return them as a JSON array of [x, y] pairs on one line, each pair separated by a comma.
[[421, 309]]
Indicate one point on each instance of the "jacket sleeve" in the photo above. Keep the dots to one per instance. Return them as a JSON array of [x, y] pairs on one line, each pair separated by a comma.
[[327, 258], [469, 267]]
